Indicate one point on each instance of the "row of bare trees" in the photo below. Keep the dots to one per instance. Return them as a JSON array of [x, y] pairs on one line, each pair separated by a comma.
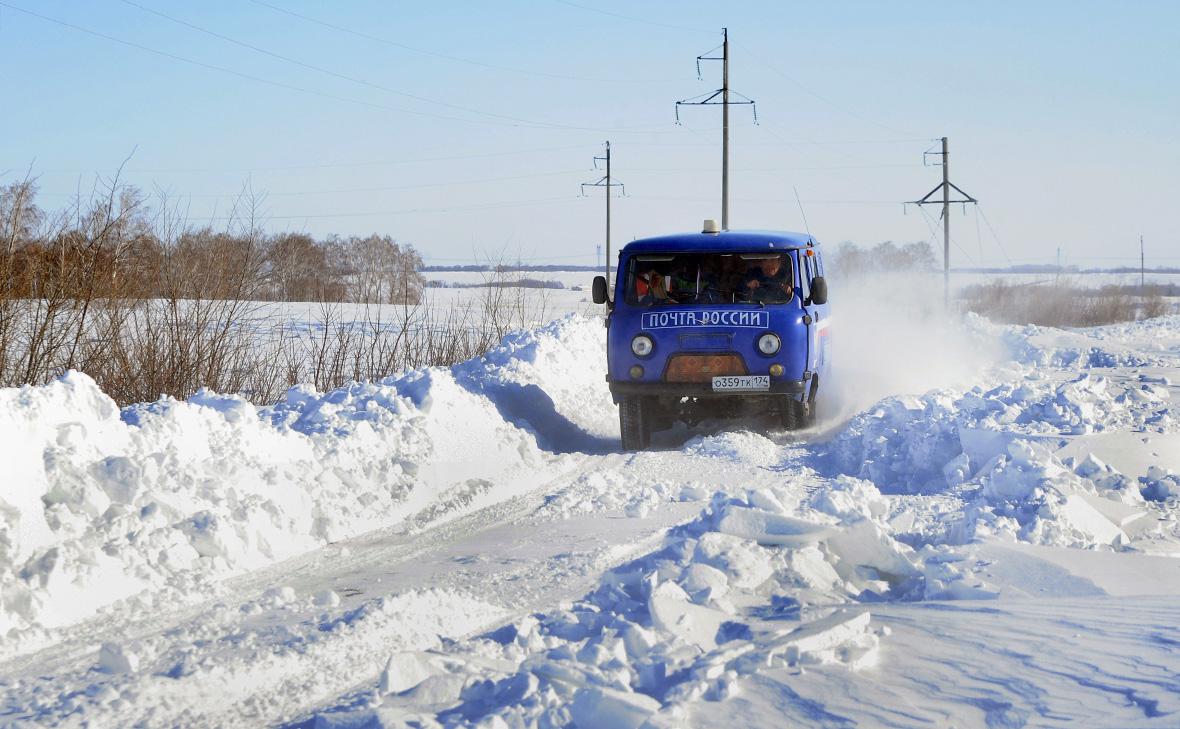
[[850, 259], [116, 242], [147, 304]]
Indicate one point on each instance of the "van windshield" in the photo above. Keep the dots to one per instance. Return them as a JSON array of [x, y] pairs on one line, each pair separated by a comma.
[[709, 278]]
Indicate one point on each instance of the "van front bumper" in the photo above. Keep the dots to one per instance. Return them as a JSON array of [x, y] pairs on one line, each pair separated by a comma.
[[701, 389]]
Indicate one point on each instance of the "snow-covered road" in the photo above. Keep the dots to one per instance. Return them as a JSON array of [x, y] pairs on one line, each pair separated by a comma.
[[466, 547]]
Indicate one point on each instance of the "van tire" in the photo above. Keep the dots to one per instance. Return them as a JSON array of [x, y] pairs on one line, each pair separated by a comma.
[[792, 414], [634, 423]]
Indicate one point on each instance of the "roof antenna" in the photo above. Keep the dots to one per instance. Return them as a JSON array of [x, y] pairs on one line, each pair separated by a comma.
[[802, 212]]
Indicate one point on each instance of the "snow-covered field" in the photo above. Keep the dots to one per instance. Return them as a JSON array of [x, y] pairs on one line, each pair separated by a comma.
[[982, 531]]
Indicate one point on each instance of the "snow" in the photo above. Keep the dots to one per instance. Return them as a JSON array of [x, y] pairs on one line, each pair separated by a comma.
[[165, 496], [993, 543]]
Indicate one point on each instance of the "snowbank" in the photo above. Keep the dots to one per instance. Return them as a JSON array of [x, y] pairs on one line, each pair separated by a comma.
[[908, 444], [747, 585], [100, 504], [1015, 458]]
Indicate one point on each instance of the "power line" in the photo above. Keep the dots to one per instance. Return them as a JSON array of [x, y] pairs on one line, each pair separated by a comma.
[[992, 230], [633, 19], [322, 94], [676, 170], [328, 165], [446, 56], [679, 198], [822, 98], [784, 142], [954, 241], [320, 69], [239, 74], [412, 211], [378, 189]]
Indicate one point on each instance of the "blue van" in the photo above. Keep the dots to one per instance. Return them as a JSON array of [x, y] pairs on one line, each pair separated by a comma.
[[715, 324]]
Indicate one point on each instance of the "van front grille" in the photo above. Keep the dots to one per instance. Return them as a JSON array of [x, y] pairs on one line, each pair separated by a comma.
[[702, 367]]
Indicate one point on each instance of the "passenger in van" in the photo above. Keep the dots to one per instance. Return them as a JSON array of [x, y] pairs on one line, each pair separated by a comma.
[[651, 288], [766, 281], [682, 283]]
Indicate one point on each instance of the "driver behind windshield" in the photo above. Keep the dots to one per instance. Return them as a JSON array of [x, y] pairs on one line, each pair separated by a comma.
[[767, 281]]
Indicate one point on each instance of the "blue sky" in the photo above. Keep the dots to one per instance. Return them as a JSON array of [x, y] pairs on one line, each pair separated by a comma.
[[465, 128]]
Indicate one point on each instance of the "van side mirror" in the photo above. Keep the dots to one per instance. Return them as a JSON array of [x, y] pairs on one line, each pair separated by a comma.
[[598, 290], [819, 290]]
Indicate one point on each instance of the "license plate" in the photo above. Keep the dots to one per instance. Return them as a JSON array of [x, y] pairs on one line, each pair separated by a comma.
[[740, 383]]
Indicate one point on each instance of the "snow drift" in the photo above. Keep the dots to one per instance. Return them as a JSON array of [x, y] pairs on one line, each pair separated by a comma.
[[100, 504]]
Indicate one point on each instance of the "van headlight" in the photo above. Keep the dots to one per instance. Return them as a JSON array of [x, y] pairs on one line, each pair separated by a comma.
[[769, 343], [642, 345]]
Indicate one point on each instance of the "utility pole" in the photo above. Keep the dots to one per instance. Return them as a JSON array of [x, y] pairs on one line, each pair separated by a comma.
[[709, 99], [1142, 269], [725, 128], [608, 182], [945, 186]]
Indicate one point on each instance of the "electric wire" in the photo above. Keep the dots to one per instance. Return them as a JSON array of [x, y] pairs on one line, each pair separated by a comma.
[[934, 236], [818, 96], [992, 231], [239, 74], [326, 71], [446, 56], [633, 19], [385, 188], [322, 94], [329, 165], [413, 211]]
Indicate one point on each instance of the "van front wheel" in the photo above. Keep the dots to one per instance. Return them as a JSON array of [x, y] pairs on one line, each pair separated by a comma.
[[794, 415], [634, 423]]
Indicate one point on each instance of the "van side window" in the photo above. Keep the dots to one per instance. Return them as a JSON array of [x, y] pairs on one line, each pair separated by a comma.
[[808, 270]]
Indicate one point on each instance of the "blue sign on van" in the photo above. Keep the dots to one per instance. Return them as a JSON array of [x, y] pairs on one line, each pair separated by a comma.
[[719, 323], [705, 318]]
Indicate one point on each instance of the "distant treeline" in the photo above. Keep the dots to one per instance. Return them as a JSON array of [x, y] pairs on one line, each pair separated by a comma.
[[849, 259], [1050, 268], [507, 268], [146, 303], [116, 244], [1066, 302], [501, 283]]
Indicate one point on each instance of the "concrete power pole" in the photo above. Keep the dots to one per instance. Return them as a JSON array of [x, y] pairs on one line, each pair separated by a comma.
[[1142, 268], [928, 199], [725, 128], [608, 182], [710, 99]]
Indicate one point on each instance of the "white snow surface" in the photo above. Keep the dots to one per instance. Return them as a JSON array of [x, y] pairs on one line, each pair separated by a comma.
[[466, 547], [100, 504]]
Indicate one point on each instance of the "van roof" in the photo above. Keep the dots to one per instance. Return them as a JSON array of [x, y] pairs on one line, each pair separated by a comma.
[[728, 240]]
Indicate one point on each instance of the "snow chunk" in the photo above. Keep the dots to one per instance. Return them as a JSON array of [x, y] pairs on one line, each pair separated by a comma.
[[768, 528], [604, 708], [672, 611], [404, 671], [116, 658]]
